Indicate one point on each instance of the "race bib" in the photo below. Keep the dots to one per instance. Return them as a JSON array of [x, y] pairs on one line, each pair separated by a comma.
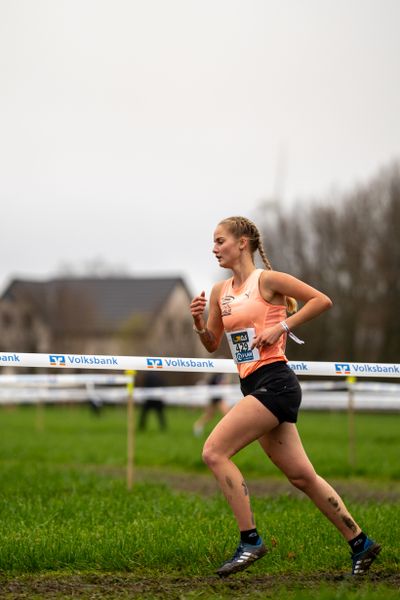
[[240, 345]]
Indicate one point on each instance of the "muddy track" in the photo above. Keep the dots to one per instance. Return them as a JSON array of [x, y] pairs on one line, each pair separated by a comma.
[[205, 485], [127, 586]]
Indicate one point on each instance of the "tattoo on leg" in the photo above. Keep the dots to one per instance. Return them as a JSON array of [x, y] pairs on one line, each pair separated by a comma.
[[246, 491], [229, 482], [334, 503], [349, 524]]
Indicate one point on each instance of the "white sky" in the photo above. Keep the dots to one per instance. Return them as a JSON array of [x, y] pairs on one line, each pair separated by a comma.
[[129, 128]]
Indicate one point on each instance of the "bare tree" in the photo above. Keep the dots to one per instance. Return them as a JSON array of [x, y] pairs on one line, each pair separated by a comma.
[[349, 248]]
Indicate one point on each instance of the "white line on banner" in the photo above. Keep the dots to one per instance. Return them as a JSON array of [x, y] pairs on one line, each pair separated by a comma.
[[205, 365]]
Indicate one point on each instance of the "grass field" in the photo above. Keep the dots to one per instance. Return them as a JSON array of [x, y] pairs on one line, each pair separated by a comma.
[[70, 528]]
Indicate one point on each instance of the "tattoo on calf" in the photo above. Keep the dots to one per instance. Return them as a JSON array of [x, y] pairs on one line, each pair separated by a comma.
[[229, 482], [349, 524], [334, 503]]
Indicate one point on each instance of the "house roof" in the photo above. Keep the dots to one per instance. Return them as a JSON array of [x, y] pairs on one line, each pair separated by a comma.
[[104, 304]]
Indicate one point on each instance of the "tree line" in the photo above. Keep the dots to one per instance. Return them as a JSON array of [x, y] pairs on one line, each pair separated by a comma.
[[348, 246]]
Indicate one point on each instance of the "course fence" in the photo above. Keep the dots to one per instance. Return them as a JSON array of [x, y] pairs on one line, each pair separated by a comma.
[[99, 389], [209, 365], [130, 364]]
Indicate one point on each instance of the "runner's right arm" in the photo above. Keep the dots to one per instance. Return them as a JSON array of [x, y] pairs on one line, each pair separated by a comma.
[[211, 333]]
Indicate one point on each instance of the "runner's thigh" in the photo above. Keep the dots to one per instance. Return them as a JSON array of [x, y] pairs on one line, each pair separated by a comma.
[[284, 447], [247, 421]]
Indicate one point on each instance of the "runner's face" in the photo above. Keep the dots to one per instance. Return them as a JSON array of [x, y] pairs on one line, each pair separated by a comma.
[[226, 247]]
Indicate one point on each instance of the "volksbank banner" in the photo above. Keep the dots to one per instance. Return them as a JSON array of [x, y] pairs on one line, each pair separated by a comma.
[[206, 365]]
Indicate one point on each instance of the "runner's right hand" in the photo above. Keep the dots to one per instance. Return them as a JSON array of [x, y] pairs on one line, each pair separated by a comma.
[[197, 306]]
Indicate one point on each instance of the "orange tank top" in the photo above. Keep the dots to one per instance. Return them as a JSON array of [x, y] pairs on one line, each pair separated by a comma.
[[245, 312]]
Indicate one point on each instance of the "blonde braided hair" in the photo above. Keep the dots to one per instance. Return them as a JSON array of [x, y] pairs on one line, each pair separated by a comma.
[[242, 227]]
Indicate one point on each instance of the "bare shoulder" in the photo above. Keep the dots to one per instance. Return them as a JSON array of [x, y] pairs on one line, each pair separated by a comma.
[[270, 278], [217, 288], [279, 283], [270, 285]]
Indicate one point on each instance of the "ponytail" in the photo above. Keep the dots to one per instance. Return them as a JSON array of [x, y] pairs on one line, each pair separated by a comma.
[[291, 303]]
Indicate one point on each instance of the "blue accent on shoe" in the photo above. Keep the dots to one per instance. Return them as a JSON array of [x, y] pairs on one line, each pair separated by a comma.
[[259, 542], [362, 561]]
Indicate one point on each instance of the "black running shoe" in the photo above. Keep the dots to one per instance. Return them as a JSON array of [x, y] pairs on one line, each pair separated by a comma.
[[244, 556], [364, 559]]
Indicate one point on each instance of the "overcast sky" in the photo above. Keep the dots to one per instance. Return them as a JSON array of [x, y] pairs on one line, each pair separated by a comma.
[[128, 128]]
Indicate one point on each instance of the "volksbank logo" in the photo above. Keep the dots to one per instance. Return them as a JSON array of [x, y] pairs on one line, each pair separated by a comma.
[[12, 358], [298, 367], [57, 360], [62, 360], [342, 368], [154, 363], [185, 363]]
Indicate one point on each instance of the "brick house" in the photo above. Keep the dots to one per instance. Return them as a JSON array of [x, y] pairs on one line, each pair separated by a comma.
[[112, 315]]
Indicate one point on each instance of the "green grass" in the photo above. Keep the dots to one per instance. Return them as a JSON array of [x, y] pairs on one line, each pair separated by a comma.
[[78, 522], [73, 436], [65, 509]]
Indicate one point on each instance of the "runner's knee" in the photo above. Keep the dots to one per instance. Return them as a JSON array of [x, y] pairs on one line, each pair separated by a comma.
[[303, 481], [211, 456]]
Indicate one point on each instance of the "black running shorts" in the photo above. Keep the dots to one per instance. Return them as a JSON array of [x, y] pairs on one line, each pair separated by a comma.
[[276, 386]]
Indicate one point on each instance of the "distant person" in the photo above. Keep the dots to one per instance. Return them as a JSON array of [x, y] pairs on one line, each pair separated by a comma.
[[95, 401], [216, 404], [257, 309], [152, 379]]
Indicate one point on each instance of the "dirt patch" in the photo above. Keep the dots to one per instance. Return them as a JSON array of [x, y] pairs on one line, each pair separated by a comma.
[[121, 586], [205, 485]]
